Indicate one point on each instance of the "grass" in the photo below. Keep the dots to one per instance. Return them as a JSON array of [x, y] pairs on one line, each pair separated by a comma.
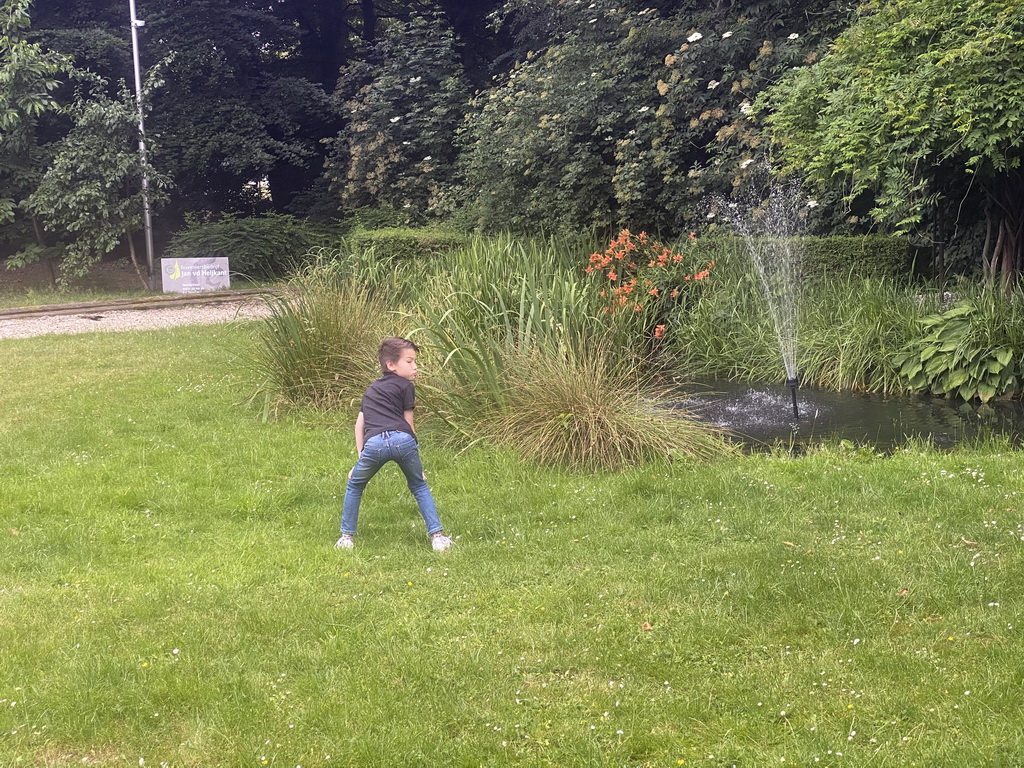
[[170, 593], [319, 345], [38, 297], [574, 410]]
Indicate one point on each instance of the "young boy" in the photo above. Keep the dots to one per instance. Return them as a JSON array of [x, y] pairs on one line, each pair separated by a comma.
[[384, 432]]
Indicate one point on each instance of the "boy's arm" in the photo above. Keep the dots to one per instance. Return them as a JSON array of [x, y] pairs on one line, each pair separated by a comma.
[[408, 418], [360, 427]]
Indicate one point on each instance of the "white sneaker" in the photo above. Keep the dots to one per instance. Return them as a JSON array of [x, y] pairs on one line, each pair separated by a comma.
[[440, 542], [345, 542]]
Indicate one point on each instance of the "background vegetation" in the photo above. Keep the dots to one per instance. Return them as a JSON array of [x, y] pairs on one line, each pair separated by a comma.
[[534, 116]]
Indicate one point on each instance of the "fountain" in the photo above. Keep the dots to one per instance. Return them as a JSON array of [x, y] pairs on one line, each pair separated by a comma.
[[771, 225]]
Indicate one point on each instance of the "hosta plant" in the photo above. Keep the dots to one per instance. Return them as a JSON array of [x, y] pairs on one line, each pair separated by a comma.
[[958, 357]]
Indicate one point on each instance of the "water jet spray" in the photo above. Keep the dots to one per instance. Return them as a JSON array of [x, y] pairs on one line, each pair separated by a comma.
[[772, 223]]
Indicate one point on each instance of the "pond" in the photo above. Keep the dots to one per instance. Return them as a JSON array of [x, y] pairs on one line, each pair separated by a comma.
[[760, 416]]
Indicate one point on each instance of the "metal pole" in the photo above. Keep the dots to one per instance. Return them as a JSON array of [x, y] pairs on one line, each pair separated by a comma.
[[146, 217], [792, 384]]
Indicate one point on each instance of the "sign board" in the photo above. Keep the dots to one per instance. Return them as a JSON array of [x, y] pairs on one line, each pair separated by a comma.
[[195, 275]]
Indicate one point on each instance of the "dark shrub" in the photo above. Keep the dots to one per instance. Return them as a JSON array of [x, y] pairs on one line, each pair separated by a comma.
[[258, 247]]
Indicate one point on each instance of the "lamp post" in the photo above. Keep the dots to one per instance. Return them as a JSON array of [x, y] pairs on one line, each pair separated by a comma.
[[146, 217]]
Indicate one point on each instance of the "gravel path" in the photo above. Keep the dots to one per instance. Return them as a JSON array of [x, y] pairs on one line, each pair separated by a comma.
[[131, 319]]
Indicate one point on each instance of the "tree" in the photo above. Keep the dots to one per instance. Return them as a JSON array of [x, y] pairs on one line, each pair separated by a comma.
[[227, 118], [90, 195], [629, 116], [917, 96], [398, 149], [28, 79], [77, 180]]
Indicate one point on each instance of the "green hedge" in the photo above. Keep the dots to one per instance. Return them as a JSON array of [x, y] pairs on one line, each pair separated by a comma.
[[257, 247], [406, 243], [862, 256], [873, 256]]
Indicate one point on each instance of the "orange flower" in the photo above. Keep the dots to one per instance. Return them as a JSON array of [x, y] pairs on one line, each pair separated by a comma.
[[653, 291], [659, 331]]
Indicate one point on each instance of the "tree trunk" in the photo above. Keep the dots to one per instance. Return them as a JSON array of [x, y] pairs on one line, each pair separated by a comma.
[[41, 240], [939, 246], [323, 32], [135, 261], [987, 269], [1006, 216], [369, 20]]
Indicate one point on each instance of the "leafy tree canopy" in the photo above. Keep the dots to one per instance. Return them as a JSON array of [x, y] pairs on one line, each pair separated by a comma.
[[913, 92], [404, 106], [29, 75], [628, 114]]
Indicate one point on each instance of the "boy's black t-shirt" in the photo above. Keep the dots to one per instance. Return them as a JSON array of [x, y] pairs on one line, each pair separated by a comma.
[[385, 403]]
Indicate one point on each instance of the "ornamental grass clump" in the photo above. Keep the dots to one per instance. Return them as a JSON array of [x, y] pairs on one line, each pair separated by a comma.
[[319, 345], [576, 409]]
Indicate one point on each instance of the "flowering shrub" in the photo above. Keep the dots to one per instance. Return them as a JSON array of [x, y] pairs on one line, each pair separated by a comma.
[[647, 278]]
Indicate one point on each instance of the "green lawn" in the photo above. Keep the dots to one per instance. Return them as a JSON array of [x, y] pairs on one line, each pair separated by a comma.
[[170, 594]]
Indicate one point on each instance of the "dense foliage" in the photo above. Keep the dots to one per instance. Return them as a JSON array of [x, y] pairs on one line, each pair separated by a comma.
[[398, 148], [258, 246], [973, 350], [918, 101], [536, 115], [627, 115]]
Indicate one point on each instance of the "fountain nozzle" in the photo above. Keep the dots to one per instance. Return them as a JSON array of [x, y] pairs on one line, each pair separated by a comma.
[[793, 383]]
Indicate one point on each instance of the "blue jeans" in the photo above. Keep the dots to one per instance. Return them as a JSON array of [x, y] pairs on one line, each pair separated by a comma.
[[399, 447]]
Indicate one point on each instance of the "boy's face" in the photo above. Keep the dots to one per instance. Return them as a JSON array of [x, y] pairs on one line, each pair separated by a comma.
[[406, 365]]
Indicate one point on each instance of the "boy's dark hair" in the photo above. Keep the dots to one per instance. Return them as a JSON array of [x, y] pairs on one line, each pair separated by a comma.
[[391, 350]]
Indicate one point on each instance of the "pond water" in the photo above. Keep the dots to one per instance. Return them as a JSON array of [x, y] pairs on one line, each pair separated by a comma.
[[762, 415]]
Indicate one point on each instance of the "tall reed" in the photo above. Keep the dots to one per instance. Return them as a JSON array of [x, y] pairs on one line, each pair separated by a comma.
[[849, 329], [319, 345], [394, 280], [496, 300], [527, 356], [852, 330], [726, 332]]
